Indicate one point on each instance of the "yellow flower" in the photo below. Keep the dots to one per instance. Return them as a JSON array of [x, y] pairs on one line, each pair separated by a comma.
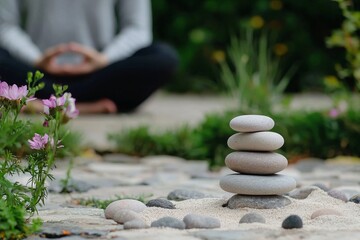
[[276, 4], [256, 22], [218, 56], [280, 49], [331, 81]]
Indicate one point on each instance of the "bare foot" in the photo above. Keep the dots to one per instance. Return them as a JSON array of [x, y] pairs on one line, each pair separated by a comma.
[[100, 106]]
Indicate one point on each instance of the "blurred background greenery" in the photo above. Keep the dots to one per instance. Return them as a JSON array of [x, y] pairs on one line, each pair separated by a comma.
[[201, 31]]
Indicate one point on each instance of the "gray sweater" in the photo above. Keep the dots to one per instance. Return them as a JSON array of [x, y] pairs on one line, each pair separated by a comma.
[[88, 22]]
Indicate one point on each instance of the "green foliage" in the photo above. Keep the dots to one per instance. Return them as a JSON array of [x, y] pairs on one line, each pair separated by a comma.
[[348, 38], [193, 27], [13, 224], [103, 203], [306, 134], [253, 76]]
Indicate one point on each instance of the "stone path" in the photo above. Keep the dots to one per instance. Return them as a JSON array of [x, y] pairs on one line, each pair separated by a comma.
[[106, 177]]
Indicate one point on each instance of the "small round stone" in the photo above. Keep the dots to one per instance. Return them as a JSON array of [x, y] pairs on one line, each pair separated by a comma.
[[256, 162], [337, 194], [169, 222], [198, 221], [257, 141], [184, 194], [124, 215], [355, 199], [302, 193], [161, 203], [324, 211], [257, 185], [292, 221], [252, 123], [135, 224], [252, 218], [322, 186], [130, 204], [257, 202]]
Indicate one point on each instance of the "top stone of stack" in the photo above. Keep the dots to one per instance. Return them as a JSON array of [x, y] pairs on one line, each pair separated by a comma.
[[252, 123]]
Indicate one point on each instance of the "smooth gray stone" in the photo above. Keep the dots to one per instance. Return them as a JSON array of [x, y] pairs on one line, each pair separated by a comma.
[[302, 193], [124, 215], [257, 202], [257, 141], [292, 221], [129, 204], [135, 224], [321, 186], [161, 203], [169, 222], [256, 162], [56, 230], [252, 218], [337, 194], [252, 123], [257, 185], [184, 194], [355, 199], [198, 221]]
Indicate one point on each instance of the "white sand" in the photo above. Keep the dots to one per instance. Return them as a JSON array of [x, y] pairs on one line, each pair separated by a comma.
[[229, 218]]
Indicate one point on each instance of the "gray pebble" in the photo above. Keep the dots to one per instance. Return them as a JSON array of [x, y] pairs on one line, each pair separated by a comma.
[[135, 224], [324, 211], [124, 215], [130, 204], [258, 202], [292, 221], [183, 194], [338, 194], [161, 203], [169, 222], [252, 218], [355, 199], [321, 186], [302, 193], [198, 221]]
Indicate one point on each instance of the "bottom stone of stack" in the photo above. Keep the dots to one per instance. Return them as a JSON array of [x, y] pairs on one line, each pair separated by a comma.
[[257, 202], [243, 184]]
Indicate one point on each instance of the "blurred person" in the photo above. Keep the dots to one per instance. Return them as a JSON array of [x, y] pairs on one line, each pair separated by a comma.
[[76, 43]]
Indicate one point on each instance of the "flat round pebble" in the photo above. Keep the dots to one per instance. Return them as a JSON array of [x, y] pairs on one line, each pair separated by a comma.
[[252, 218], [355, 199], [256, 162], [135, 224], [324, 211], [337, 194], [257, 202], [184, 194], [257, 185], [168, 222], [252, 123], [258, 141], [161, 203], [124, 215], [130, 204], [198, 221], [302, 193], [292, 221], [321, 186]]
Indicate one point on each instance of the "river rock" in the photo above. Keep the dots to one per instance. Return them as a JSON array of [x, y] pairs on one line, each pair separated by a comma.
[[184, 194], [302, 193], [257, 185], [124, 215], [161, 203], [355, 199], [252, 123], [258, 141], [337, 194], [292, 221], [256, 162], [252, 218], [324, 211], [169, 222], [129, 204], [257, 202], [198, 221], [135, 224]]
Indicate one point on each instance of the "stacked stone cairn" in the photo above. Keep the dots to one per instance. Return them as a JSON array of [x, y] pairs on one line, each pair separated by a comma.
[[256, 182]]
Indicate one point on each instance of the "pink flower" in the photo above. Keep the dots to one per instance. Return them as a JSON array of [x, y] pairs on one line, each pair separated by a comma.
[[39, 142], [53, 102], [334, 113], [71, 111], [12, 92]]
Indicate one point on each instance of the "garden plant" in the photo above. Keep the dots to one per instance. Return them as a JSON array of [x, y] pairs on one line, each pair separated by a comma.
[[19, 202]]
